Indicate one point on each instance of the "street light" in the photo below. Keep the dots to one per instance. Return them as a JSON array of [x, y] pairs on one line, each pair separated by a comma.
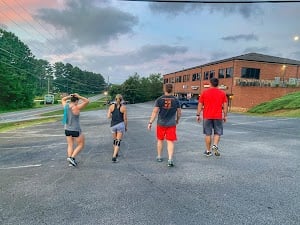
[[283, 75], [106, 98]]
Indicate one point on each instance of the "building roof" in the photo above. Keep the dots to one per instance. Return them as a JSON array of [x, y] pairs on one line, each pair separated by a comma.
[[260, 58], [251, 57]]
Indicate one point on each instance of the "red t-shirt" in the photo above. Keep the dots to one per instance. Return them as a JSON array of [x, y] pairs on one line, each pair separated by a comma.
[[213, 100]]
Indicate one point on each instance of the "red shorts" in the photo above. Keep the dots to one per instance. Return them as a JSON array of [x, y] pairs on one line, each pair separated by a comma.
[[168, 133]]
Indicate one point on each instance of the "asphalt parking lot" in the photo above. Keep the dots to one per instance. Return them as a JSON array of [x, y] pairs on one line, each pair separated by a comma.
[[254, 181]]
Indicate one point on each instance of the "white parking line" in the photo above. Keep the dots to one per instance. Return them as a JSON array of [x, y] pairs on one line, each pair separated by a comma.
[[19, 167], [260, 121]]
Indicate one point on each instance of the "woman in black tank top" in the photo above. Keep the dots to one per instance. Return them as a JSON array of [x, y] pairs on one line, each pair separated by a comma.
[[117, 112]]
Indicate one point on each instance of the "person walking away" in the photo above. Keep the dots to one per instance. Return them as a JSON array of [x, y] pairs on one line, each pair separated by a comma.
[[117, 112], [167, 107], [213, 103], [74, 135]]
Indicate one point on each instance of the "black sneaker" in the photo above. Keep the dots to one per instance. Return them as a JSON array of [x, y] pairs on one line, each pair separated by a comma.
[[216, 150], [170, 163], [114, 159], [72, 161], [207, 153]]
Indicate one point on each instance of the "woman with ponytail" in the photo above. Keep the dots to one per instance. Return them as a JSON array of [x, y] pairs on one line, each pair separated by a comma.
[[118, 114]]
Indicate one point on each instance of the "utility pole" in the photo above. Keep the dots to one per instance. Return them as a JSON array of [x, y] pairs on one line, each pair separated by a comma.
[[48, 85]]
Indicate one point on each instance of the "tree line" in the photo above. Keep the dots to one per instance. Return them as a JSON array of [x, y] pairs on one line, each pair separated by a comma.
[[138, 89], [23, 77]]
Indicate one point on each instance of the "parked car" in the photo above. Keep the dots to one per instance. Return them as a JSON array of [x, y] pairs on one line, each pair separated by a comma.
[[188, 103]]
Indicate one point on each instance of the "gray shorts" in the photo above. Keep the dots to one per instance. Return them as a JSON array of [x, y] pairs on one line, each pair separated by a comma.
[[210, 125], [118, 128]]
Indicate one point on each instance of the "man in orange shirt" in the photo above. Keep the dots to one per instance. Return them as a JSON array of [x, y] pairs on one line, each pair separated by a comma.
[[213, 103]]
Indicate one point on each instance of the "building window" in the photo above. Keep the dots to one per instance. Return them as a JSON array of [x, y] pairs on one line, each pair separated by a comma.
[[229, 72], [186, 78], [166, 81], [221, 73], [251, 73], [178, 79], [194, 77], [206, 75], [211, 74], [172, 80]]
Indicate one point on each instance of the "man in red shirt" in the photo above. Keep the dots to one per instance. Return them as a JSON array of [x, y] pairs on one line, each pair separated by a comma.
[[213, 103]]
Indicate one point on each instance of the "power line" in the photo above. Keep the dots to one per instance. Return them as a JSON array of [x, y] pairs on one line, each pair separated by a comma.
[[38, 22], [212, 2], [10, 53]]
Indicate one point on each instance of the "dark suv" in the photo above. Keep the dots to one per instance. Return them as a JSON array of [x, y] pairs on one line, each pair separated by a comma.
[[188, 103]]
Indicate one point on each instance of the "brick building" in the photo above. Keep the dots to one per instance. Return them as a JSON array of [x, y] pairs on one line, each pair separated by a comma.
[[248, 79]]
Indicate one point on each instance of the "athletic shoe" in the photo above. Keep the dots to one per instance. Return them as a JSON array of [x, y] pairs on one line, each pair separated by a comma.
[[170, 163], [72, 161], [159, 159], [207, 153], [114, 159], [216, 150]]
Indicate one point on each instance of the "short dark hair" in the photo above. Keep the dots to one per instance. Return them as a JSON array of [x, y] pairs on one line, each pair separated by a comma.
[[214, 82], [169, 88]]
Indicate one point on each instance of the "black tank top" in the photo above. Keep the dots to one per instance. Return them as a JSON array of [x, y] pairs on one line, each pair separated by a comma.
[[117, 116]]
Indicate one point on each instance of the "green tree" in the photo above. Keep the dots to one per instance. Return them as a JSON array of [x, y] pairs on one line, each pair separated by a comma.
[[136, 89], [17, 63]]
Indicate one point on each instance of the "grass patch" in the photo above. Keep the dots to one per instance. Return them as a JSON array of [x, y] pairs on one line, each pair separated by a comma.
[[55, 116], [90, 107], [22, 124], [285, 105]]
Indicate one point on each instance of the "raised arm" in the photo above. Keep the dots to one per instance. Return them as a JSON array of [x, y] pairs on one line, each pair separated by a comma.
[[84, 101]]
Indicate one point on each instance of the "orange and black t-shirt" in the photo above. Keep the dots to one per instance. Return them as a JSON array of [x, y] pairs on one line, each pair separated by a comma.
[[168, 106]]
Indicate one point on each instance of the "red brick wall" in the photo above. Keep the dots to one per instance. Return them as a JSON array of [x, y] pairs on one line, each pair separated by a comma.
[[247, 97]]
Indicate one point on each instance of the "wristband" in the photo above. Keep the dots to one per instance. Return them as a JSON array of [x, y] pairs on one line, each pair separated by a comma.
[[150, 123], [197, 115]]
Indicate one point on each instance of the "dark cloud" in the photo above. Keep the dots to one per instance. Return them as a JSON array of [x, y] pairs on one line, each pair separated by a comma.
[[145, 54], [88, 23], [170, 8], [246, 10], [152, 52], [146, 60], [243, 37]]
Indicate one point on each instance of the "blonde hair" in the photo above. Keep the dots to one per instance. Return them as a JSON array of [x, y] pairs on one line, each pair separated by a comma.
[[118, 98]]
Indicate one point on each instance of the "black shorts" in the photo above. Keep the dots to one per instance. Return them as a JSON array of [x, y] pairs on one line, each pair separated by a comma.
[[72, 133]]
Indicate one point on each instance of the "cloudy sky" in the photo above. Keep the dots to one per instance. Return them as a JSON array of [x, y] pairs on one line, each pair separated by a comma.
[[120, 38]]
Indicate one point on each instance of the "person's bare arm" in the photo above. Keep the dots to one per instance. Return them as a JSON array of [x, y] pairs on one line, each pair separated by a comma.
[[199, 110], [153, 117], [124, 110], [84, 101], [225, 111], [178, 115], [109, 111], [65, 99]]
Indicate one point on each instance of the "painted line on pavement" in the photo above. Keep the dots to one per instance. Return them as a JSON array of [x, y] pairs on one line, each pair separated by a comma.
[[20, 167]]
